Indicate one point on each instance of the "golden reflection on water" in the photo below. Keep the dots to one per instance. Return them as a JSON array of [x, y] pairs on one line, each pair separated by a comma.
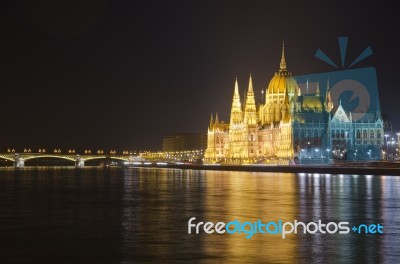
[[159, 202], [141, 215], [249, 197]]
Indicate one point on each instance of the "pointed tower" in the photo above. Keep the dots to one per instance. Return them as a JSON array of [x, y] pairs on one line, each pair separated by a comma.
[[328, 99], [378, 110], [237, 129], [250, 122], [283, 61], [250, 112], [317, 93], [236, 110], [210, 151], [216, 119]]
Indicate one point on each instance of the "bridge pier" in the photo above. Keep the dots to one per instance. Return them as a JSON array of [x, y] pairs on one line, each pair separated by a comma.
[[79, 163], [19, 163]]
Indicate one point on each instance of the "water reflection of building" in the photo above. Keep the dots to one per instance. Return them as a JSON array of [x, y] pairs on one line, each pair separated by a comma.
[[349, 198], [246, 196], [288, 126]]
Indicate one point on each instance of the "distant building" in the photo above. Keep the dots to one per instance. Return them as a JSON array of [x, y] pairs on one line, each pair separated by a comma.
[[183, 142], [289, 126]]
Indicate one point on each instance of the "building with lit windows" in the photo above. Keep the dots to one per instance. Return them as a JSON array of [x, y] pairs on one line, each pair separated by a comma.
[[288, 127], [362, 139], [183, 142]]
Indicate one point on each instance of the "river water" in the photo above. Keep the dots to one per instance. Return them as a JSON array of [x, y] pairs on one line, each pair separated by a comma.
[[140, 215]]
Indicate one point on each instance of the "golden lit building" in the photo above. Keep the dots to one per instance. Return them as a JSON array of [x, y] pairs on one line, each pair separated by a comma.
[[264, 133], [288, 127], [256, 132]]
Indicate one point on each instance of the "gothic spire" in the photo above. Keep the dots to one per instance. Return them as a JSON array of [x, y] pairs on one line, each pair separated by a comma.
[[236, 92], [250, 111], [328, 99], [283, 61], [250, 90], [236, 110], [307, 87]]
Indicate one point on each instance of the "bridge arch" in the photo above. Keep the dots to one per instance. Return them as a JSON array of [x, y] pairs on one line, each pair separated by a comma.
[[7, 157], [105, 157], [49, 156]]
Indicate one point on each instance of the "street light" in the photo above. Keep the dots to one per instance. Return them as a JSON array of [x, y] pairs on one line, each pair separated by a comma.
[[393, 142], [301, 154], [387, 146]]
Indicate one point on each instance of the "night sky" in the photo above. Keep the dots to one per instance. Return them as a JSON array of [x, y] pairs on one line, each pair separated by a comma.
[[123, 74]]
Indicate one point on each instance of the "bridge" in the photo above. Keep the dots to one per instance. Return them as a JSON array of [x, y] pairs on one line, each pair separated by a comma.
[[19, 159]]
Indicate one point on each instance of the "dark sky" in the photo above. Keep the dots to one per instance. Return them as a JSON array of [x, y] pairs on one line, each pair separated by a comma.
[[122, 74]]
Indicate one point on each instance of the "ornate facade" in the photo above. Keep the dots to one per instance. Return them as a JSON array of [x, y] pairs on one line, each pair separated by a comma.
[[287, 127]]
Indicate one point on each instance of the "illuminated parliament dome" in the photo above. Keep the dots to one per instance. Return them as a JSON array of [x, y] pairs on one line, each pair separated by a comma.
[[282, 80]]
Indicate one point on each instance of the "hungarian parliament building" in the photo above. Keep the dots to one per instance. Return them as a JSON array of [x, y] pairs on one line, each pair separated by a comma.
[[288, 127]]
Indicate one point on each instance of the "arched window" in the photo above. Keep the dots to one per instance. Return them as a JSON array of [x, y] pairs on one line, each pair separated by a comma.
[[342, 134], [337, 133], [378, 134], [365, 134], [358, 134], [371, 134]]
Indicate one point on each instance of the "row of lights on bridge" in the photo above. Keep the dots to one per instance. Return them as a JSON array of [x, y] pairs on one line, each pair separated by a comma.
[[72, 151], [124, 152]]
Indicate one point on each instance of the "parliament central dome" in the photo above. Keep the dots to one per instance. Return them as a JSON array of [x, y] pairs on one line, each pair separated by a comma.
[[282, 80]]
